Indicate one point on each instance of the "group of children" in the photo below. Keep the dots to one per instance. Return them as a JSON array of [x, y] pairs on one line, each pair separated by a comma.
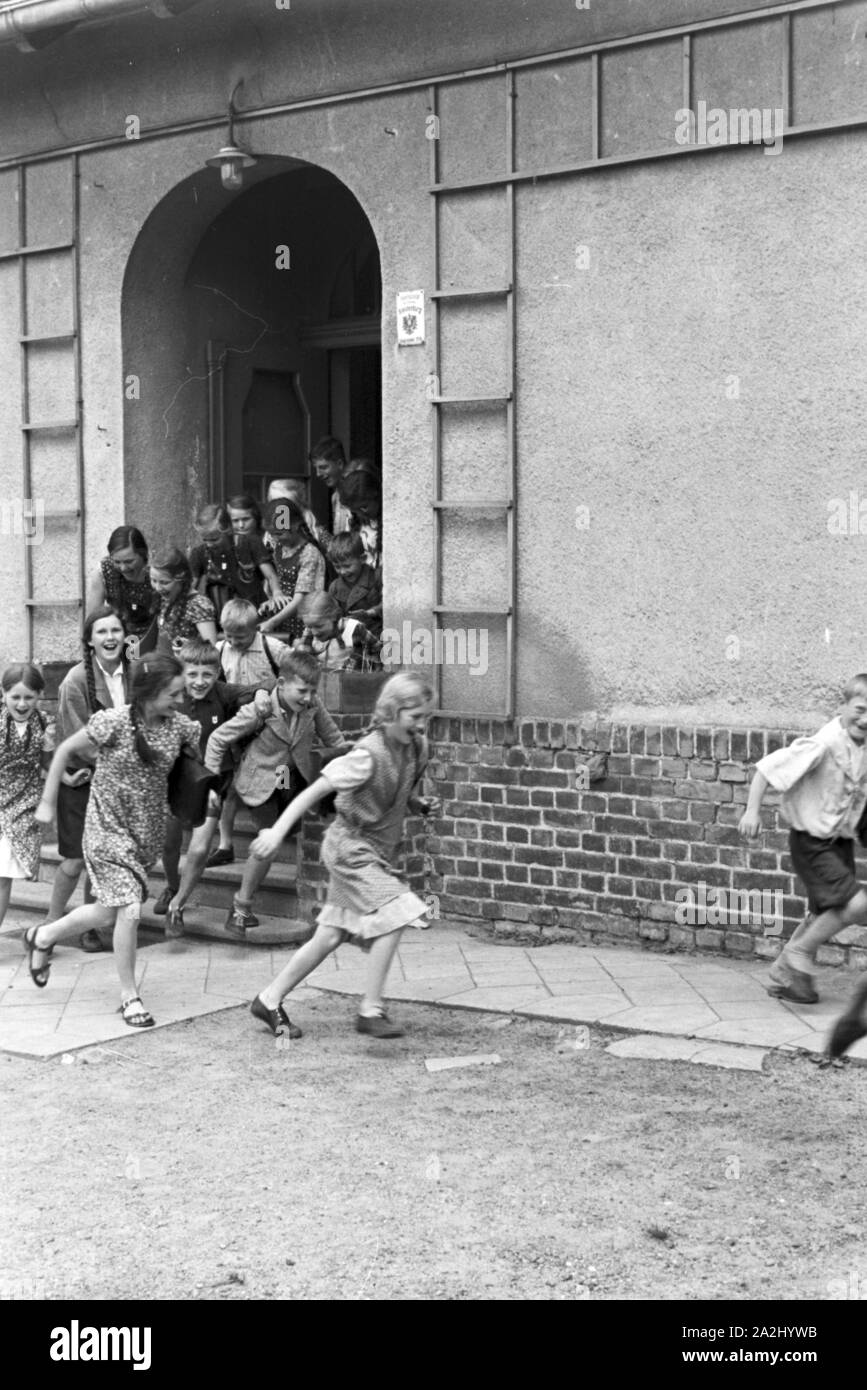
[[278, 561], [177, 658], [106, 785], [247, 703]]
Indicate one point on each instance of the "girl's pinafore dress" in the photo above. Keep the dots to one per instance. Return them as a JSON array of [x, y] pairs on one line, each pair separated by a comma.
[[21, 749], [300, 567], [126, 813], [366, 896], [137, 604]]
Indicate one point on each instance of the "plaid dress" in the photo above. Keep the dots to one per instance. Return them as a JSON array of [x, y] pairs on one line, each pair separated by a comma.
[[366, 896]]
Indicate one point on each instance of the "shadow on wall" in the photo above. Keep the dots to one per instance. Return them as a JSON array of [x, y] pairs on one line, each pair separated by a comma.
[[554, 674]]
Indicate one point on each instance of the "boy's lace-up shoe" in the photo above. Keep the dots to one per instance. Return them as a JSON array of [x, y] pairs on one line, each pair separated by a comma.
[[239, 921], [161, 906], [378, 1026], [219, 858], [791, 984]]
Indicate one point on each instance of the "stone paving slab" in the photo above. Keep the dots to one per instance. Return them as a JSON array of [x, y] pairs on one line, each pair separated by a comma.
[[687, 1050], [706, 1001]]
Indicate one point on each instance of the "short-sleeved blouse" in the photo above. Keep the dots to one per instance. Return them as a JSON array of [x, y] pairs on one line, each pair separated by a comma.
[[179, 621], [310, 562]]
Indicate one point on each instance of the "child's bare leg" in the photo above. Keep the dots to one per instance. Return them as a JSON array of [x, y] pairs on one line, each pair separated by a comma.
[[172, 841], [125, 940], [378, 962], [305, 960], [74, 923], [227, 820], [255, 871], [802, 954], [5, 893], [63, 887], [802, 927], [194, 865]]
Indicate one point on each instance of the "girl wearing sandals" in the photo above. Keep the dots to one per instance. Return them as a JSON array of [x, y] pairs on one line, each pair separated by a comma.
[[368, 902], [135, 748], [25, 750], [99, 681]]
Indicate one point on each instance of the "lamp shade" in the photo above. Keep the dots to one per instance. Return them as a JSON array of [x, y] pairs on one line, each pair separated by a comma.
[[231, 163]]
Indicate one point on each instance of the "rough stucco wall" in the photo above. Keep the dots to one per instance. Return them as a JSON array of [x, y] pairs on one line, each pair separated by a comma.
[[118, 193], [12, 553], [708, 515]]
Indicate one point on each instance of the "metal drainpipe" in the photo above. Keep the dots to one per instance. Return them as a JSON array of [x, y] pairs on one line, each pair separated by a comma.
[[41, 20]]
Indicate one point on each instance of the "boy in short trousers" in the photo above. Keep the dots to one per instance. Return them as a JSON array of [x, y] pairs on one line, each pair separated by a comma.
[[823, 780]]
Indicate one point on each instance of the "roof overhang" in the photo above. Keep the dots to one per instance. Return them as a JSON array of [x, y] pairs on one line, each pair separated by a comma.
[[33, 24]]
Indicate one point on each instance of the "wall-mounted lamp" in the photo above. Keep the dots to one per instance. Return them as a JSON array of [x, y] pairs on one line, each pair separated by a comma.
[[231, 161]]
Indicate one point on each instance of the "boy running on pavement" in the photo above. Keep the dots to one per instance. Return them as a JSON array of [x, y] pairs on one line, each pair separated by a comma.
[[823, 779]]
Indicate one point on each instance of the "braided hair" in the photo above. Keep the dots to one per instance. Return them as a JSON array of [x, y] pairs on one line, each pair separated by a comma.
[[90, 622], [23, 673], [150, 677]]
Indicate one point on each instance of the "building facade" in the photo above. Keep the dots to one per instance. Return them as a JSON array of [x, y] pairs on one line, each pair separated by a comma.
[[622, 466]]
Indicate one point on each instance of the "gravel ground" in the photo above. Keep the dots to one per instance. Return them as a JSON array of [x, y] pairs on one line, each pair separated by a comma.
[[208, 1161]]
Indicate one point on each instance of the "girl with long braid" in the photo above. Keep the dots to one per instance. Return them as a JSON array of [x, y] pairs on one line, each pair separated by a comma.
[[134, 748], [368, 902], [99, 681], [25, 749]]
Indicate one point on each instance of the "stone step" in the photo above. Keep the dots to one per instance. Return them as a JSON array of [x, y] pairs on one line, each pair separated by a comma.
[[218, 886], [244, 833], [200, 919]]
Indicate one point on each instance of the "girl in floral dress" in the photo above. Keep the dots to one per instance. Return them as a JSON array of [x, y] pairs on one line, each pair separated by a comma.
[[368, 902], [185, 615], [135, 748], [25, 750]]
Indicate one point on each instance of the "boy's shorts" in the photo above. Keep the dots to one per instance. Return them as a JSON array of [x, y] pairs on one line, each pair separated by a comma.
[[221, 791], [267, 814], [826, 868]]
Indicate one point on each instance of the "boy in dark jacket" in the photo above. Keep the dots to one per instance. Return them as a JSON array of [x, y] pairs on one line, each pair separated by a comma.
[[211, 702]]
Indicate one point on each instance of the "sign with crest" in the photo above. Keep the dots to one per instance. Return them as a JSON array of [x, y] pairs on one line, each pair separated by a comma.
[[410, 318]]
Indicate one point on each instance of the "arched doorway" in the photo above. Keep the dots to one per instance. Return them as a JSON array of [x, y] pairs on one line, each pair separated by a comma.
[[252, 323]]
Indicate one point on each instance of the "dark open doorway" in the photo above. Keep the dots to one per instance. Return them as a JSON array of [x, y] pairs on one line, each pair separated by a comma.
[[255, 319]]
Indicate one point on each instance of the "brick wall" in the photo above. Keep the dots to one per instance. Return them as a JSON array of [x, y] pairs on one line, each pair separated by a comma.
[[523, 851]]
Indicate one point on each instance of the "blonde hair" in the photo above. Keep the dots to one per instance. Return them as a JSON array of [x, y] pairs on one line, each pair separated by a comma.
[[399, 692], [292, 488], [238, 612], [319, 605]]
